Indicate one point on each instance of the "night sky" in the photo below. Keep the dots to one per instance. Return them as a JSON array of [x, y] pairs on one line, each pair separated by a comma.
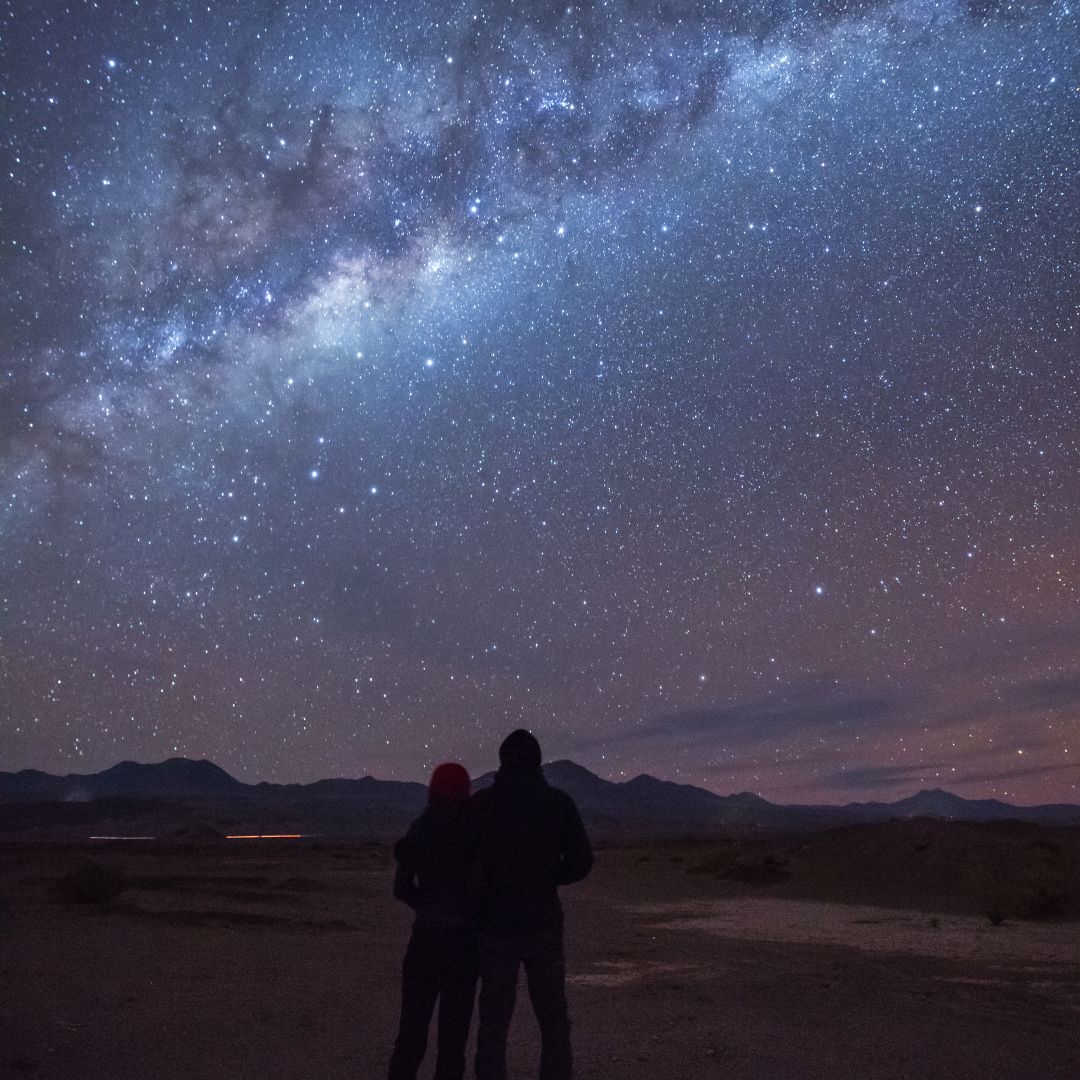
[[694, 383]]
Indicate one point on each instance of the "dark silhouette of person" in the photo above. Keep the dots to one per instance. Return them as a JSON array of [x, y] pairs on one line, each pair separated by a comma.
[[529, 840], [440, 965]]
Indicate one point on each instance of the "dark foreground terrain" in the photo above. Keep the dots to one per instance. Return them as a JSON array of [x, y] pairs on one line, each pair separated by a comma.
[[869, 955]]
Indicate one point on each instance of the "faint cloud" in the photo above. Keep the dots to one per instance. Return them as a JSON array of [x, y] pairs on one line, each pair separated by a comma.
[[883, 776], [813, 706], [826, 703], [1054, 692], [1016, 774]]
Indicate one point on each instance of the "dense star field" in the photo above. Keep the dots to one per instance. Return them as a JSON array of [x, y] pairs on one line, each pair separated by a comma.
[[696, 384]]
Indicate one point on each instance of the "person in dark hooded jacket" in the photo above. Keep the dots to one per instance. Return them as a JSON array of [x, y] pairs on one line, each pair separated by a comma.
[[440, 962], [529, 840]]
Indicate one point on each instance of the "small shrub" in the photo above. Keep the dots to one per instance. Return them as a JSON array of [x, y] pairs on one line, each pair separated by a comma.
[[1047, 902], [1029, 882], [759, 871], [91, 883], [718, 863], [304, 884], [162, 882]]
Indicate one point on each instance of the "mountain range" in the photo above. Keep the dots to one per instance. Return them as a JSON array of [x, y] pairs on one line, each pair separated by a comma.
[[181, 795]]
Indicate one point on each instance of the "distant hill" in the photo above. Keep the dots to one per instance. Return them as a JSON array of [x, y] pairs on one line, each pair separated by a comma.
[[181, 794], [177, 776]]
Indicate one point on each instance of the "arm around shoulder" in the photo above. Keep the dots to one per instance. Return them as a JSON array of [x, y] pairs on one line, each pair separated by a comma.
[[406, 887]]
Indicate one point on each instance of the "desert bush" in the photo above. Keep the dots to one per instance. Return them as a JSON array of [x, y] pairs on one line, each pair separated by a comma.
[[746, 868], [166, 882], [759, 871], [714, 864], [91, 883], [1046, 900], [718, 861], [1025, 882], [304, 884], [1050, 847]]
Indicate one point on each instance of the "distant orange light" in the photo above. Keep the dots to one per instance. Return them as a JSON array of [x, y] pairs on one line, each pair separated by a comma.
[[265, 836]]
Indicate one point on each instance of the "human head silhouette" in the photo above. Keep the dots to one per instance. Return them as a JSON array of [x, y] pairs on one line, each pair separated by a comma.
[[449, 785], [520, 752]]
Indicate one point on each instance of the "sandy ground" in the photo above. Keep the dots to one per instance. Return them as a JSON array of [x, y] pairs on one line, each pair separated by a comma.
[[276, 961]]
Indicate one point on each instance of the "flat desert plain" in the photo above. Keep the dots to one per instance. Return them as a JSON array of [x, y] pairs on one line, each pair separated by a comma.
[[281, 959]]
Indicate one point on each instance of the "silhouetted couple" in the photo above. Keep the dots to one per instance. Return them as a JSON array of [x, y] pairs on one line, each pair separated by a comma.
[[482, 873]]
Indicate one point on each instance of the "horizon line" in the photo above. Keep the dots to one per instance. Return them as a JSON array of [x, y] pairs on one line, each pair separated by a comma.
[[546, 764]]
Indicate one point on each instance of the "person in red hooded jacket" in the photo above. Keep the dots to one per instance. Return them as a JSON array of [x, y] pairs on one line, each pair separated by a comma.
[[433, 861]]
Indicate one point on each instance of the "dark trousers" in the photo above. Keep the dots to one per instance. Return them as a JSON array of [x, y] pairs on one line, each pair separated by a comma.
[[545, 973], [439, 965]]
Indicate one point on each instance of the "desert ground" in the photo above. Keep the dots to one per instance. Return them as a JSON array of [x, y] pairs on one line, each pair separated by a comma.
[[280, 959]]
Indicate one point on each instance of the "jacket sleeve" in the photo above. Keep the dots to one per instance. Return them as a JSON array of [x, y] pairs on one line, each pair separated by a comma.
[[475, 879], [406, 887], [575, 854]]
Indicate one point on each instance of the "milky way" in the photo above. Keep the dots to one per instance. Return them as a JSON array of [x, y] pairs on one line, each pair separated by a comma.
[[697, 384]]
